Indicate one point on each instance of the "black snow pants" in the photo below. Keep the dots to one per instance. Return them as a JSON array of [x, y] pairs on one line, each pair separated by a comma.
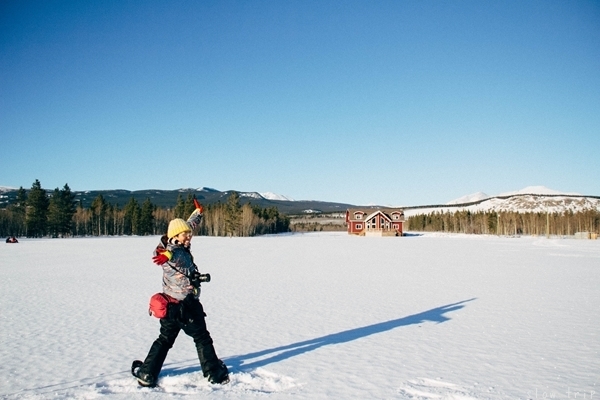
[[187, 315]]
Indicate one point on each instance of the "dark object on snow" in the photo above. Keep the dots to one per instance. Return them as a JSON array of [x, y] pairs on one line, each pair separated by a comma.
[[11, 239], [144, 379], [219, 375]]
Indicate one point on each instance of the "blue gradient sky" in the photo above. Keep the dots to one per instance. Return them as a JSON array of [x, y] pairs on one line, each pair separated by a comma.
[[387, 102]]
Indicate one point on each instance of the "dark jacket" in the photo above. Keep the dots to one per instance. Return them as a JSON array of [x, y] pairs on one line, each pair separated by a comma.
[[178, 271]]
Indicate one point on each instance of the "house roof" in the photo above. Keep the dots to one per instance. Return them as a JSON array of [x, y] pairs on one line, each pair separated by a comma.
[[387, 212]]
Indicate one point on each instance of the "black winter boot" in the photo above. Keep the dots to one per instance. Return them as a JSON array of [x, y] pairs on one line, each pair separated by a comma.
[[219, 375], [144, 379], [207, 357], [148, 372], [212, 368]]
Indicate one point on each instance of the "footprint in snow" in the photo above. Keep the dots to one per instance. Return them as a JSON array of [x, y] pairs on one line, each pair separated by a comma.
[[193, 383], [425, 389]]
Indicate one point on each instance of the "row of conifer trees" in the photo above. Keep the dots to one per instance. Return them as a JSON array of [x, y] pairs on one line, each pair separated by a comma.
[[507, 223], [35, 213]]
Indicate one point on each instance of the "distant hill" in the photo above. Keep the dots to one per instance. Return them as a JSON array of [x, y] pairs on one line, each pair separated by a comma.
[[470, 198], [168, 198], [530, 199]]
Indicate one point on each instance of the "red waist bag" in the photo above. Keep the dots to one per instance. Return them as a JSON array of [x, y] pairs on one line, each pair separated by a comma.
[[159, 304]]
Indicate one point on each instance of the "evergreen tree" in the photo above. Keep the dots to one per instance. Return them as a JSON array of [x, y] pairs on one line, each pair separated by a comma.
[[61, 211], [189, 206], [147, 218], [20, 204], [16, 214], [37, 211], [233, 214], [68, 209], [53, 226], [131, 220], [179, 210]]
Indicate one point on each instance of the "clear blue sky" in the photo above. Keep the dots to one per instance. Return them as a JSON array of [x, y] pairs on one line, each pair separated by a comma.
[[386, 102]]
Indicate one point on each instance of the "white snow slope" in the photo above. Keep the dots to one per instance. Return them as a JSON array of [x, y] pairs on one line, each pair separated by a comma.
[[538, 190], [469, 198], [537, 199], [522, 204], [275, 196], [310, 316]]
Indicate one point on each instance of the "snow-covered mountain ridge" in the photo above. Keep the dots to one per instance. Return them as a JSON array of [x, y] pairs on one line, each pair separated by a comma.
[[470, 198], [275, 196], [529, 190], [266, 196], [253, 195], [539, 190], [530, 199]]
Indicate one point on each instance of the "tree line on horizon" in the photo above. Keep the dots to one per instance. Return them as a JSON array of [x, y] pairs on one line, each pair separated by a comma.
[[37, 213], [507, 223]]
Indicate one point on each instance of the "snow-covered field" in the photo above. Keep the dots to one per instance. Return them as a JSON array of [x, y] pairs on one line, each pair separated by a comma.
[[310, 316]]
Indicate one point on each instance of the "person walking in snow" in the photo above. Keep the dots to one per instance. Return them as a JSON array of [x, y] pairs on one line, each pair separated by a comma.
[[181, 288]]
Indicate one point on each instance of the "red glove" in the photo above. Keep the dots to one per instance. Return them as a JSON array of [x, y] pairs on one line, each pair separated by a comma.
[[198, 206], [162, 256]]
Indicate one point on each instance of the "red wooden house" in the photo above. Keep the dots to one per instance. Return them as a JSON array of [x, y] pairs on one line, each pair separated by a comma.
[[375, 221]]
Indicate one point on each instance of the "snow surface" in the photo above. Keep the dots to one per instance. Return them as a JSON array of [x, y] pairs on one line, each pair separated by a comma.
[[275, 196], [310, 316], [469, 198], [529, 199], [537, 190], [252, 195], [267, 195], [540, 190], [522, 204]]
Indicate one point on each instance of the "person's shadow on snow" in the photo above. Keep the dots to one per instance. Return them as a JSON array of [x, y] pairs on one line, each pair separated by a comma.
[[244, 363]]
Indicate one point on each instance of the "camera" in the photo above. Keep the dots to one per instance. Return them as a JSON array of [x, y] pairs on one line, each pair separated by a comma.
[[197, 278]]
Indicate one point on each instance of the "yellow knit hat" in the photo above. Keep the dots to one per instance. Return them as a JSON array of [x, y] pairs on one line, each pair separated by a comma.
[[177, 226]]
